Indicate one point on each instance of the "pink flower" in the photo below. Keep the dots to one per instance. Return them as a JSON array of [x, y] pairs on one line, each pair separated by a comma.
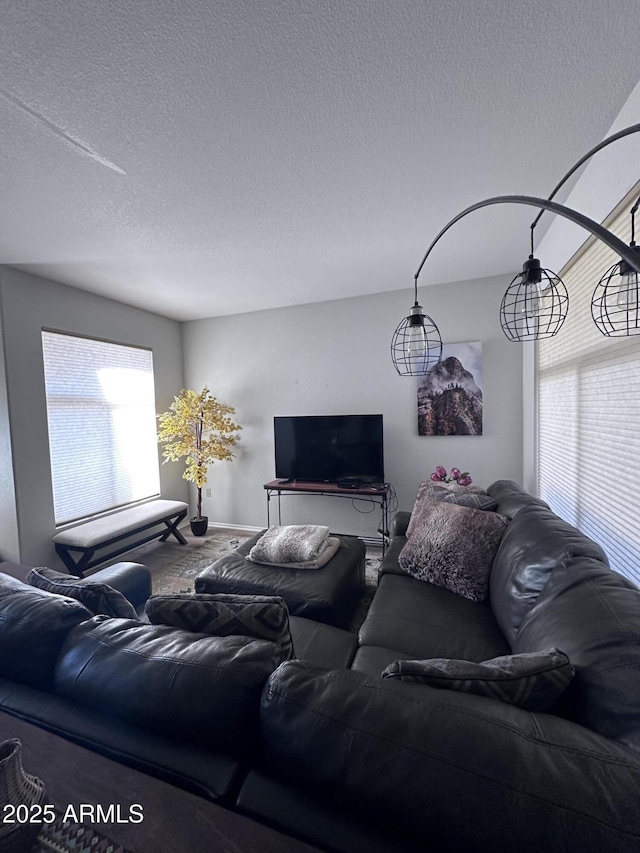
[[454, 476]]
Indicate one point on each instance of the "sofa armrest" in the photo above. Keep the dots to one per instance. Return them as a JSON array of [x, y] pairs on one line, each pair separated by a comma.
[[399, 524], [464, 771], [133, 580]]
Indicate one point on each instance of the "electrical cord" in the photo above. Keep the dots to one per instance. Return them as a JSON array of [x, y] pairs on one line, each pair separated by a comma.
[[392, 501]]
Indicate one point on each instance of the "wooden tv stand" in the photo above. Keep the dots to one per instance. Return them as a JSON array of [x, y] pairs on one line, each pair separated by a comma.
[[379, 495]]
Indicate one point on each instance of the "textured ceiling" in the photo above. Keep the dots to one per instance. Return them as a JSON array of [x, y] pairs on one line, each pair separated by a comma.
[[207, 158]]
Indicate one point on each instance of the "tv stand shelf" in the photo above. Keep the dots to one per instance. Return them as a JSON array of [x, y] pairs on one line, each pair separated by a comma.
[[378, 495]]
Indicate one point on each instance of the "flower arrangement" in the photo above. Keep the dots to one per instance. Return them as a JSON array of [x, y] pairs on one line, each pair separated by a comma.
[[462, 478]]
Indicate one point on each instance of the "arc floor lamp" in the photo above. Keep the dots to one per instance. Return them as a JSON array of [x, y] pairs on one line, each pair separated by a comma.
[[536, 302]]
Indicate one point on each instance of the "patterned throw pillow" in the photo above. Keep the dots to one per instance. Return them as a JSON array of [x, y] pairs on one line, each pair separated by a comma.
[[453, 547], [533, 681], [99, 598], [426, 492], [471, 496], [265, 617]]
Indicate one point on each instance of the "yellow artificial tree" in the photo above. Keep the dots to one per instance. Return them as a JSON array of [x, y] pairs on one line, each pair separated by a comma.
[[200, 428]]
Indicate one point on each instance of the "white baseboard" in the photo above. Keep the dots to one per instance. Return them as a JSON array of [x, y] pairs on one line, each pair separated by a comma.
[[240, 528], [375, 541]]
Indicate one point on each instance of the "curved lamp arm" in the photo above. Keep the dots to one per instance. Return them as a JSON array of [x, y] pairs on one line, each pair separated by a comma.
[[633, 128], [625, 252]]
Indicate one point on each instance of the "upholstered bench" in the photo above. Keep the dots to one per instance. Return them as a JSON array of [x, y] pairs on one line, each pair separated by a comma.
[[328, 595], [119, 532]]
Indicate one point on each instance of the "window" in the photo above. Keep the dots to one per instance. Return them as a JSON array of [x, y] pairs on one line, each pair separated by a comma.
[[102, 424], [588, 399]]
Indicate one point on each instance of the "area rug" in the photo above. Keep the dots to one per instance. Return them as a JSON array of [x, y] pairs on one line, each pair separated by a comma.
[[173, 566]]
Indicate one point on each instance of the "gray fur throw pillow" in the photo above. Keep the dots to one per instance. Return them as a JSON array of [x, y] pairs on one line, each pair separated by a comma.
[[471, 496], [533, 681], [265, 617], [453, 547], [99, 598]]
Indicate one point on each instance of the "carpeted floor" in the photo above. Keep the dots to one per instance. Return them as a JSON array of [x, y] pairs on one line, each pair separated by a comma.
[[173, 566]]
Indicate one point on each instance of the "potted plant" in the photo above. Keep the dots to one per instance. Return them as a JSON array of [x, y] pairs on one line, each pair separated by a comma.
[[200, 428]]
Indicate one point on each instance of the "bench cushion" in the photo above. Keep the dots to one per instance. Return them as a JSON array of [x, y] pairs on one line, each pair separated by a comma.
[[100, 530]]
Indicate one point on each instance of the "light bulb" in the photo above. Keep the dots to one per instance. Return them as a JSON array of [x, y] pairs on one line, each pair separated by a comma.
[[416, 341], [627, 299], [531, 306]]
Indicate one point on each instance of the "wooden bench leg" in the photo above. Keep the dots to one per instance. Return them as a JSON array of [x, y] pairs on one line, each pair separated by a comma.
[[76, 567], [173, 529]]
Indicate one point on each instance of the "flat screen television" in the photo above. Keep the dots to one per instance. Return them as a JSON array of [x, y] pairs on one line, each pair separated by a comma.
[[329, 448]]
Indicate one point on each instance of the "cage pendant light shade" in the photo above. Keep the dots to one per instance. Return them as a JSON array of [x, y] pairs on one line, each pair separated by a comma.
[[535, 304], [614, 305], [416, 346]]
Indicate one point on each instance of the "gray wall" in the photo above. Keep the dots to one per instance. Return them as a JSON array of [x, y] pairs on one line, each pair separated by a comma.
[[29, 303], [333, 358]]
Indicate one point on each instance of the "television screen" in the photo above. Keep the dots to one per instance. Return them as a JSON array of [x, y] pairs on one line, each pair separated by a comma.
[[329, 448]]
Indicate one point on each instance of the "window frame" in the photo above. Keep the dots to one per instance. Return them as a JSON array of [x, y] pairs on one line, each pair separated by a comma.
[[142, 464], [585, 460]]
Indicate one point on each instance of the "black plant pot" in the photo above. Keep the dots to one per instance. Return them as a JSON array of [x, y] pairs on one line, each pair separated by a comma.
[[199, 525]]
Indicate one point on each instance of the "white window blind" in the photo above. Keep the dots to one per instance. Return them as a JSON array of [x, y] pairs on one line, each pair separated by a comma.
[[588, 425], [102, 424]]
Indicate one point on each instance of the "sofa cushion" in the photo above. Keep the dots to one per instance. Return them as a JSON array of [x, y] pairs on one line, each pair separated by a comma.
[[265, 617], [200, 688], [99, 598], [453, 547], [593, 614], [33, 626], [206, 772], [451, 769], [372, 660], [322, 645], [533, 680], [420, 620], [535, 542]]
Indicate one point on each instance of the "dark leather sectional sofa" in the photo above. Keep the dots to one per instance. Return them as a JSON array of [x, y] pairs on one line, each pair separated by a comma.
[[325, 749]]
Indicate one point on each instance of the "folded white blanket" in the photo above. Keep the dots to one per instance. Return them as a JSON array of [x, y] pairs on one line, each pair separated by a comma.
[[326, 553], [291, 543]]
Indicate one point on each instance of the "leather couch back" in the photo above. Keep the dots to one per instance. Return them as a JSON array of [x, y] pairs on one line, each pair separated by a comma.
[[535, 542], [205, 688], [593, 615], [33, 626], [453, 771], [511, 497]]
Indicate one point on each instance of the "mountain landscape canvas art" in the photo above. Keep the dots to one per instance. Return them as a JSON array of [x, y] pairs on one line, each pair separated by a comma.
[[450, 394]]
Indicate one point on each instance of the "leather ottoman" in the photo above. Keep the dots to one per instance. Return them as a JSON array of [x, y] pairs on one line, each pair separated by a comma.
[[329, 594]]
